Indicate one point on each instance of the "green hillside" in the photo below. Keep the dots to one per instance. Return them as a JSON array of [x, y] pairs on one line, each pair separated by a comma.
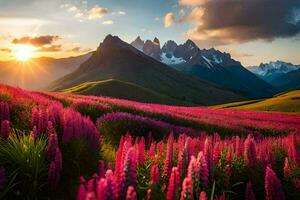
[[284, 102], [121, 89]]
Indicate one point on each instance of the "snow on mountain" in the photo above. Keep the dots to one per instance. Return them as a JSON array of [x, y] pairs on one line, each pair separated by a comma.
[[171, 60], [277, 67]]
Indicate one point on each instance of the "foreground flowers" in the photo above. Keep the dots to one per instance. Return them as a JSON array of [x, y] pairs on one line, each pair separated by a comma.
[[172, 177]]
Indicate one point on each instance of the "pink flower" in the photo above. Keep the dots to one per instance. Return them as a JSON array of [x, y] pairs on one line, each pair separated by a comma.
[[81, 194], [273, 186], [148, 197], [180, 162], [141, 151], [4, 111], [52, 145], [202, 196], [169, 157], [173, 186], [5, 129], [102, 193], [250, 151], [187, 189], [286, 169], [101, 169], [249, 195], [154, 174], [130, 168], [131, 194], [204, 174]]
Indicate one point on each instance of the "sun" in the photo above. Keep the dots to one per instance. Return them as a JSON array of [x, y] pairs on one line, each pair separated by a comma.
[[24, 52]]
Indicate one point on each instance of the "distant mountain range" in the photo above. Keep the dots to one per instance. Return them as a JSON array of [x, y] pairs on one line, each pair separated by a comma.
[[282, 75], [38, 73], [207, 64], [119, 61]]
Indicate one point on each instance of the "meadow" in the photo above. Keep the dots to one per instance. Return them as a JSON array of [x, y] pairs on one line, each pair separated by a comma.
[[66, 146]]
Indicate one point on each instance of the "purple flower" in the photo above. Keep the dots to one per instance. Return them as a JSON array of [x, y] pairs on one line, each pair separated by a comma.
[[5, 129], [273, 186]]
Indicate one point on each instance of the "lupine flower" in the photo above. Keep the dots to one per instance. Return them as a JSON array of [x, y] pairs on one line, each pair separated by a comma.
[[102, 193], [194, 173], [293, 153], [173, 186], [208, 153], [148, 197], [4, 111], [187, 189], [101, 169], [110, 184], [250, 152], [273, 186], [81, 194], [169, 157], [52, 174], [249, 194], [202, 196], [180, 162], [42, 121], [141, 151], [286, 169], [154, 174], [5, 129], [2, 178], [34, 133], [52, 143], [204, 174], [131, 194], [130, 168]]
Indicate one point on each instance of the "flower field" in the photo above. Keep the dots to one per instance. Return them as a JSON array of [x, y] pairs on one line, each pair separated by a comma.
[[63, 146]]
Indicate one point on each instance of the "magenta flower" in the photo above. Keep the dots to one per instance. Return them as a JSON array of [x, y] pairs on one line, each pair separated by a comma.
[[141, 151], [101, 168], [52, 145], [4, 111], [131, 194], [154, 174], [204, 174], [52, 174], [273, 186], [187, 189], [173, 186], [202, 196], [130, 168], [286, 168], [250, 151], [148, 197], [81, 194], [5, 129], [102, 190], [169, 157], [180, 162], [249, 195]]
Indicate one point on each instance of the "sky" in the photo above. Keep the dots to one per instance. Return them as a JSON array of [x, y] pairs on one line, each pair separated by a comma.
[[252, 31]]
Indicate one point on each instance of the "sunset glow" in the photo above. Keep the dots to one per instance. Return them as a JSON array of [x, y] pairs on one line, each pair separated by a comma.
[[24, 52]]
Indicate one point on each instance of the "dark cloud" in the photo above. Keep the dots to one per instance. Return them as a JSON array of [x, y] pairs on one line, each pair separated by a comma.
[[52, 48], [236, 21], [5, 50], [36, 41]]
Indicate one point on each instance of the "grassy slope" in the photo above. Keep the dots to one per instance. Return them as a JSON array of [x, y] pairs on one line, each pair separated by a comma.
[[284, 102], [121, 89]]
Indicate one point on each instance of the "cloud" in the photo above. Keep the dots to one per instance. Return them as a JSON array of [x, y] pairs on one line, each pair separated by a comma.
[[97, 12], [231, 21], [80, 50], [7, 50], [108, 22], [169, 19], [122, 13], [36, 41], [51, 48]]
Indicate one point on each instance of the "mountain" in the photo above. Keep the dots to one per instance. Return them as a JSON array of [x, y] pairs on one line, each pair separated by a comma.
[[290, 80], [284, 102], [115, 59], [119, 89], [38, 73], [281, 75], [213, 66], [138, 43]]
